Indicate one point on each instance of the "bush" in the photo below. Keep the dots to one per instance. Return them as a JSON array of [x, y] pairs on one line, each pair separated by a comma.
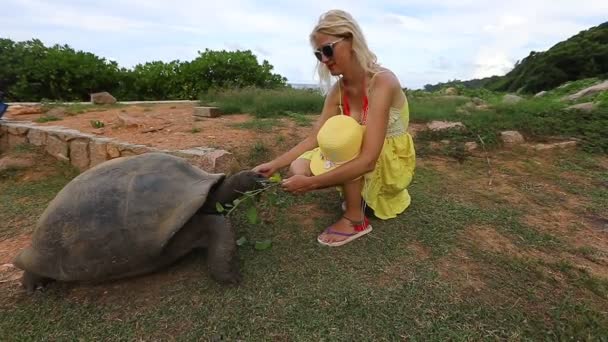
[[30, 71], [265, 103]]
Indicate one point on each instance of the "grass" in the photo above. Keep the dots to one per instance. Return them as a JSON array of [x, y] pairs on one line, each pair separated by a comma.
[[22, 201], [47, 118], [429, 274], [265, 103], [262, 125], [377, 289], [538, 119], [78, 108]]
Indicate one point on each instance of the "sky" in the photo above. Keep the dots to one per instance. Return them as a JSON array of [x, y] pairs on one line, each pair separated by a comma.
[[421, 41]]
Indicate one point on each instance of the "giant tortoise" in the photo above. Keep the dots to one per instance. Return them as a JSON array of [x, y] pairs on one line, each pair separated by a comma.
[[134, 215]]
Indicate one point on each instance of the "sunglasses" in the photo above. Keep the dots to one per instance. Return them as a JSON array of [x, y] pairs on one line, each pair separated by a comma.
[[326, 50]]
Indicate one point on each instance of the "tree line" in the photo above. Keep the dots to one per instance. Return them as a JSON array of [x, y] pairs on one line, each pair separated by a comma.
[[31, 71]]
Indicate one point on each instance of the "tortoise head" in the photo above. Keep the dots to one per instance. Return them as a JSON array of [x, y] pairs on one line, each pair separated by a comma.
[[234, 186]]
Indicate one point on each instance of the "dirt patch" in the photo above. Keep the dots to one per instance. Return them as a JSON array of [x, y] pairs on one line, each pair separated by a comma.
[[460, 269], [420, 251], [9, 248], [306, 215], [172, 126], [488, 239]]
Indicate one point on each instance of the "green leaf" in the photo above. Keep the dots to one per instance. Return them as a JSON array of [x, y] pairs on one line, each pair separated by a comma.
[[263, 245], [218, 207], [275, 178], [252, 215], [241, 241], [236, 202]]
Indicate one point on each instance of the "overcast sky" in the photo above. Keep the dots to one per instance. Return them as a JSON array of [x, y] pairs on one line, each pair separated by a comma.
[[422, 41]]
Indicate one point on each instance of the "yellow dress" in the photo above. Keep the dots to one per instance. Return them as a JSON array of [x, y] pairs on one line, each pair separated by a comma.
[[385, 188]]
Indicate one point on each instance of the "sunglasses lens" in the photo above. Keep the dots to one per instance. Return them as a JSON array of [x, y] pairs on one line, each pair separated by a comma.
[[328, 51], [318, 55]]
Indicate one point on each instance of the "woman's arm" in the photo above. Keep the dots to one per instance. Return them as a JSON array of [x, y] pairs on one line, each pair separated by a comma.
[[373, 141], [330, 108]]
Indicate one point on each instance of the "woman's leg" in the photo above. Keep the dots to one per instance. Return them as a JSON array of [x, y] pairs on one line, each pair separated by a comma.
[[353, 200], [300, 166]]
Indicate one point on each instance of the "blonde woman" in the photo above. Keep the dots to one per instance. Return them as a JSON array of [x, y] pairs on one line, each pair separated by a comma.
[[378, 175]]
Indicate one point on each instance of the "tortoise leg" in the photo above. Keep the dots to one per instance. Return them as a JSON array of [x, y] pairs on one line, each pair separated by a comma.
[[31, 282], [222, 260]]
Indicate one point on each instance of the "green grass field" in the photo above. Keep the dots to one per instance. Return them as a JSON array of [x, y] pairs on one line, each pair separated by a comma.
[[520, 259]]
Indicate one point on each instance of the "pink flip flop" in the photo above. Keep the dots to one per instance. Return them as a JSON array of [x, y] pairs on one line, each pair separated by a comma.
[[361, 228]]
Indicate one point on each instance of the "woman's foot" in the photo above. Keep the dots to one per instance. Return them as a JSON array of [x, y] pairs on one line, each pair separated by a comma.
[[344, 231]]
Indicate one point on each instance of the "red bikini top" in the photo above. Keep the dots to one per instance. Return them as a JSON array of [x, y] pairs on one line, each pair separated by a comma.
[[365, 107]]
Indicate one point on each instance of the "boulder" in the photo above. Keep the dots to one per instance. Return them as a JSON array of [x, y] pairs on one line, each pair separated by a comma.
[[470, 146], [10, 162], [102, 98], [206, 112], [444, 125], [585, 107], [603, 86], [511, 99], [450, 91], [552, 146], [511, 138]]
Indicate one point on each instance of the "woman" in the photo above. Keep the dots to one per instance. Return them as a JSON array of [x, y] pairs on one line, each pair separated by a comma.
[[372, 95]]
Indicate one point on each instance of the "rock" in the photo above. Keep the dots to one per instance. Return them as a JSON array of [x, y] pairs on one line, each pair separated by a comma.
[[113, 151], [23, 110], [210, 159], [36, 137], [470, 146], [15, 140], [58, 112], [511, 99], [67, 134], [125, 120], [563, 144], [603, 86], [540, 94], [9, 162], [511, 137], [57, 148], [450, 91], [98, 151], [3, 138], [444, 125], [18, 129], [102, 98], [79, 153], [132, 149], [477, 101], [206, 112], [585, 107]]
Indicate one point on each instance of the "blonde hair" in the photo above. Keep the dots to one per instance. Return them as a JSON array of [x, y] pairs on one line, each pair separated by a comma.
[[341, 24]]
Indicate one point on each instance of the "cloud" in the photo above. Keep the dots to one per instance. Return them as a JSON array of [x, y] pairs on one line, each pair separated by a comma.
[[422, 41]]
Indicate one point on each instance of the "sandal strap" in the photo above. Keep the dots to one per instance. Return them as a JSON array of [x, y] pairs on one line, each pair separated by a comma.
[[358, 225]]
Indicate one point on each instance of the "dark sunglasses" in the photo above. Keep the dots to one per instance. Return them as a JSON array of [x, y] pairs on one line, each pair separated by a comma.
[[326, 50]]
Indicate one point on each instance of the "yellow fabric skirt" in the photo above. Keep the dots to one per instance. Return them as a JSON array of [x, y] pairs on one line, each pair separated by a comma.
[[385, 188]]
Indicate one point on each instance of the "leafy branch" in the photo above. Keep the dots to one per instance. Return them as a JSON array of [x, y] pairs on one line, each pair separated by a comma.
[[252, 213]]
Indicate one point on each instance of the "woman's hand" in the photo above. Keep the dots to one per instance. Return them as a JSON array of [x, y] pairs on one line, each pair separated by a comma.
[[266, 169], [298, 184]]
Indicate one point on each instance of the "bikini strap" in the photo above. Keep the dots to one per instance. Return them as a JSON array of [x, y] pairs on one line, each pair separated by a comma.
[[340, 90]]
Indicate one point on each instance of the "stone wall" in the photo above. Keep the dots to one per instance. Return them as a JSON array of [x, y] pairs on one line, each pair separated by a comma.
[[85, 151]]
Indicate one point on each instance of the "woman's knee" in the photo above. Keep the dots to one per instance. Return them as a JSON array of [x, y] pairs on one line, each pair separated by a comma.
[[300, 166]]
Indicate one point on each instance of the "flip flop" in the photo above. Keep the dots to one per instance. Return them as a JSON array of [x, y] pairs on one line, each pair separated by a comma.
[[350, 236]]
